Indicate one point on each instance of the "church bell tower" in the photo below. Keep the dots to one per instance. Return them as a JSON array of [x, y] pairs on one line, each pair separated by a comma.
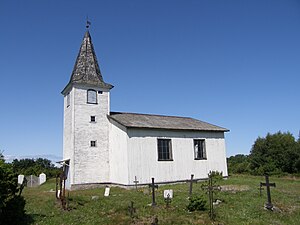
[[86, 126]]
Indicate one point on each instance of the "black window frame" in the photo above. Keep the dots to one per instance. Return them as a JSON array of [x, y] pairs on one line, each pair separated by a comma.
[[87, 96], [200, 152], [93, 143], [164, 149], [93, 119]]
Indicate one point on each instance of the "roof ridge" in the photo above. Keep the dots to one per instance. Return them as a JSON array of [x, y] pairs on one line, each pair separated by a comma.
[[147, 114], [127, 122]]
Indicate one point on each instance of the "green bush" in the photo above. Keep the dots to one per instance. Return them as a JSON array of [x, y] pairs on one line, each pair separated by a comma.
[[196, 203], [11, 204]]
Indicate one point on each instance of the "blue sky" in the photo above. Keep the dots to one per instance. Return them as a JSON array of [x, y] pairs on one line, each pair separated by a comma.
[[235, 64]]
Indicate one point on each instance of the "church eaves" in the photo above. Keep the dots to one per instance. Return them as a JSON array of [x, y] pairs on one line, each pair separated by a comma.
[[86, 69]]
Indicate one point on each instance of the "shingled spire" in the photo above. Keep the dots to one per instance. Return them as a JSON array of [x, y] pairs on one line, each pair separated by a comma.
[[86, 69]]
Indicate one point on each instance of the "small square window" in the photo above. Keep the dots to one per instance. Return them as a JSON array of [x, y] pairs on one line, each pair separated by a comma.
[[93, 143], [93, 118]]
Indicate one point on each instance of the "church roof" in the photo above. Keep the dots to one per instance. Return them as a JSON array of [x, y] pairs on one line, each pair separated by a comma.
[[134, 120], [86, 69]]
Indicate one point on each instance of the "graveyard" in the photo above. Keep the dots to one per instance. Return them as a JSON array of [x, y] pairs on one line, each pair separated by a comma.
[[240, 199]]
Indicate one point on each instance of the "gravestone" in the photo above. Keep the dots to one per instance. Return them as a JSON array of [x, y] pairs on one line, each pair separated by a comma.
[[269, 204], [58, 194], [131, 209], [191, 184], [135, 182], [32, 181], [42, 178], [153, 186], [106, 192], [211, 188], [168, 195], [20, 179]]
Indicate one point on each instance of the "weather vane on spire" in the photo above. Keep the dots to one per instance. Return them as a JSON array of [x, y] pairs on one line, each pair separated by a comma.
[[88, 23]]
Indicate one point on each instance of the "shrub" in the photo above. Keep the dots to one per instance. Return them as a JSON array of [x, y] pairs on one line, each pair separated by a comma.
[[196, 203]]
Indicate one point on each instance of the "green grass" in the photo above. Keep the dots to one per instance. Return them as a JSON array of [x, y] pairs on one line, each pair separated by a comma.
[[241, 204]]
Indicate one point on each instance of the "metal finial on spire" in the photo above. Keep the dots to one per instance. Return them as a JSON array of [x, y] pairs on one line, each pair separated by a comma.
[[88, 23]]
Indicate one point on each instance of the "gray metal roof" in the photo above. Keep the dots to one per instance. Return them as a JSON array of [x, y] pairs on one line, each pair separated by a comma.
[[135, 120], [86, 69]]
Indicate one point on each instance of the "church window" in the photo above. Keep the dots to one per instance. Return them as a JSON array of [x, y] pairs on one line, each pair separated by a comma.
[[199, 149], [68, 99], [91, 96], [164, 147], [93, 143], [93, 118]]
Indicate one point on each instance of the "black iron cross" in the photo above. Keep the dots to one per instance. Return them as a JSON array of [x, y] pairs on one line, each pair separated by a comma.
[[191, 184], [153, 186], [269, 204], [135, 182], [211, 188]]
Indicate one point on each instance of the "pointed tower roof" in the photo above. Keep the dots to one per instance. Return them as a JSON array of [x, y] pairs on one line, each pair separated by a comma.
[[86, 69]]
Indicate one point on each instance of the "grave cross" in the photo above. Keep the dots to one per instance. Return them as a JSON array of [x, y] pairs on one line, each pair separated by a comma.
[[135, 182], [168, 200], [211, 188], [153, 186], [131, 209], [191, 184], [269, 204]]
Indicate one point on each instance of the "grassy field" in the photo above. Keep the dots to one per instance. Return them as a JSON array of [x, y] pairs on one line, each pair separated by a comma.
[[241, 204]]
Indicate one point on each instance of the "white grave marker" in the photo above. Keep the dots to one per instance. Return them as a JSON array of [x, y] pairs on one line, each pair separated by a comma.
[[106, 193], [20, 179], [168, 193], [42, 178], [58, 194]]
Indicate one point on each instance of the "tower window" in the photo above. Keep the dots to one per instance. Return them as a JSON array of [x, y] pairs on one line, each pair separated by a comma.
[[68, 99], [93, 143], [91, 96], [93, 118]]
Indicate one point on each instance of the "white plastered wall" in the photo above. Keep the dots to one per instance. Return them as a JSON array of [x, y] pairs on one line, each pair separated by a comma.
[[91, 164], [143, 160], [118, 141], [68, 137]]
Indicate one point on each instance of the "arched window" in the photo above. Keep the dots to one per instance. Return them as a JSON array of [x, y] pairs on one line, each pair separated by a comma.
[[91, 96]]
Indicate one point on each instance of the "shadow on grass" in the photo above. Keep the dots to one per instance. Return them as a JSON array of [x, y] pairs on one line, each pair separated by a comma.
[[31, 218]]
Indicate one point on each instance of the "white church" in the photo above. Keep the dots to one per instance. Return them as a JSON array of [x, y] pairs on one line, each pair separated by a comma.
[[101, 147]]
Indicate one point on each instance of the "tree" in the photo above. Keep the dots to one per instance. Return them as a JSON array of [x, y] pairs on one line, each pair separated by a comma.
[[276, 153], [11, 203], [238, 164], [35, 167]]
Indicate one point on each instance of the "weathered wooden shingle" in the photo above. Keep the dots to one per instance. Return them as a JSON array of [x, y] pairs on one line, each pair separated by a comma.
[[86, 69], [134, 120]]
